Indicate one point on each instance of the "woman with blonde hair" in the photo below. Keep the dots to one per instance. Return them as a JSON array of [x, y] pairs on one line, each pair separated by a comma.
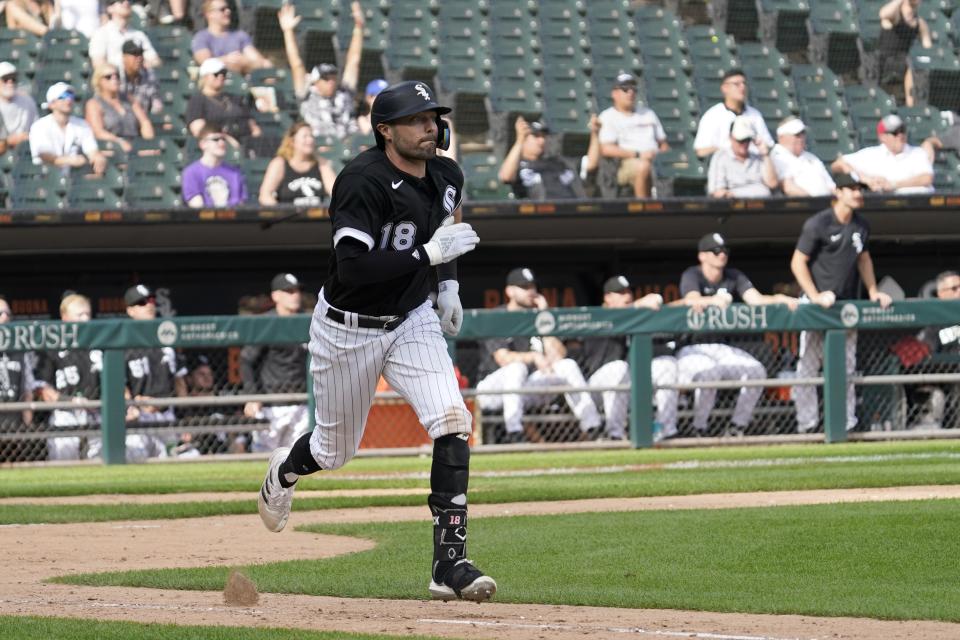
[[297, 175], [34, 16], [111, 115]]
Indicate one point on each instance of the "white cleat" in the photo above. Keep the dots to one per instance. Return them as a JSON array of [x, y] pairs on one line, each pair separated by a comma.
[[274, 501], [478, 587]]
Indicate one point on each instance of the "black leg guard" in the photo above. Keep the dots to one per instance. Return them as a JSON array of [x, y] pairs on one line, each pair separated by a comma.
[[448, 502], [300, 461]]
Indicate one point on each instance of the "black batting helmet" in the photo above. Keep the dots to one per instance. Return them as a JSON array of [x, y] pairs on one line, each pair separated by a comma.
[[405, 99]]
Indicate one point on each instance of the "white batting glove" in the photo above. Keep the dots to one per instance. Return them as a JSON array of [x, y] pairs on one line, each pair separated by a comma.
[[451, 311], [450, 241]]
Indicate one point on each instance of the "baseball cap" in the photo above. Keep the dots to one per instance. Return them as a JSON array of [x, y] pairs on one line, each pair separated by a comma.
[[134, 49], [539, 128], [6, 69], [374, 87], [324, 69], [711, 241], [742, 129], [616, 284], [284, 282], [847, 180], [57, 91], [791, 126], [137, 294], [211, 66], [521, 277], [624, 78], [890, 124]]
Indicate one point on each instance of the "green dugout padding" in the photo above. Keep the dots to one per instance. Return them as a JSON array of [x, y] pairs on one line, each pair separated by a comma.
[[112, 336]]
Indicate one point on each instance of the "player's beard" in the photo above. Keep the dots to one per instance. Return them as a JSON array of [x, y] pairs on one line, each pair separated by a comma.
[[422, 150]]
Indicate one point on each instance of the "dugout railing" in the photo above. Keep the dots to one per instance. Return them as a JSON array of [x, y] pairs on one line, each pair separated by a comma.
[[887, 327]]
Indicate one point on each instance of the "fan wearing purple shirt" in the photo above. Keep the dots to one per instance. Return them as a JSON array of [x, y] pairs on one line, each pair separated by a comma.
[[209, 182]]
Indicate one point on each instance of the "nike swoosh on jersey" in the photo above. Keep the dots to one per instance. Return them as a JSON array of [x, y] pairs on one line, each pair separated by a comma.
[[396, 185], [836, 237]]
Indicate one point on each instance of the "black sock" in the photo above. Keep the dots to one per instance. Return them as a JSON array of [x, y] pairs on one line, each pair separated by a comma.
[[300, 462]]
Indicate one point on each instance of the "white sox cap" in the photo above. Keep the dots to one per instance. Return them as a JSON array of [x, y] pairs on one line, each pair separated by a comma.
[[284, 282]]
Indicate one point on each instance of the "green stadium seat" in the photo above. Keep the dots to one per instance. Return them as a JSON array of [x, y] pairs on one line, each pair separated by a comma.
[[783, 22], [151, 195], [922, 122], [92, 195], [45, 189], [516, 90], [755, 53], [679, 172], [413, 37], [946, 171], [936, 76], [375, 31], [834, 36], [464, 77], [61, 43], [481, 179], [157, 150]]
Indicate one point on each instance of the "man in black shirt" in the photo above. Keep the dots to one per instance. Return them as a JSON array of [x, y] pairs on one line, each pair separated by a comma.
[[831, 258], [604, 362], [533, 175], [524, 361], [713, 283], [392, 211], [151, 373], [277, 368], [16, 385]]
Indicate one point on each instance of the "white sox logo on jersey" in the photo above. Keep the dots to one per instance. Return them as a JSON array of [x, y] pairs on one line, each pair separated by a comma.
[[449, 198]]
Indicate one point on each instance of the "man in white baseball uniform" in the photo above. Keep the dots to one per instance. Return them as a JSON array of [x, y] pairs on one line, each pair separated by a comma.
[[529, 362], [392, 215], [605, 364], [713, 283], [831, 260]]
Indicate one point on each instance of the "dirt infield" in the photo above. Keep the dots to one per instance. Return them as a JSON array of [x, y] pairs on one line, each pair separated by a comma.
[[33, 553]]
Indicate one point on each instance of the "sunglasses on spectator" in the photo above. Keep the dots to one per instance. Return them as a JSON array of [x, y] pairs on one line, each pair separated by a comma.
[[718, 250], [67, 95], [10, 78], [628, 88], [215, 138], [221, 74], [111, 76], [142, 302]]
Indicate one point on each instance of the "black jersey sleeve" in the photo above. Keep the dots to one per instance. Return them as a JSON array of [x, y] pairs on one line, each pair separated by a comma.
[[356, 265], [689, 281], [250, 356], [356, 208], [809, 241], [743, 283]]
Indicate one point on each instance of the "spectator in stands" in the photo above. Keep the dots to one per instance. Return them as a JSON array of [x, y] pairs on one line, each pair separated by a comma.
[[531, 174], [538, 361], [891, 166], [16, 376], [34, 16], [151, 373], [591, 161], [714, 127], [831, 260], [17, 111], [106, 44], [233, 48], [111, 116], [899, 27], [712, 283], [297, 175], [68, 376], [82, 15], [801, 173], [138, 83], [62, 139], [604, 362], [209, 182], [279, 368], [327, 100], [229, 112], [632, 134], [374, 87], [738, 172]]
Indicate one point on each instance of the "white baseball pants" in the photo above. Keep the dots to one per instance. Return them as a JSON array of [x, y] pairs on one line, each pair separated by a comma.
[[287, 423], [347, 362], [714, 362], [617, 403], [515, 375], [808, 366]]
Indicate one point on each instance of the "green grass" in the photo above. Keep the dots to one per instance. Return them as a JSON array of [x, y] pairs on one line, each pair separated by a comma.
[[246, 476], [19, 627], [796, 472], [884, 560]]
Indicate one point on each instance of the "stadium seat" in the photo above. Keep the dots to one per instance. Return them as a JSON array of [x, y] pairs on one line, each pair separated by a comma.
[[783, 23], [375, 31], [834, 36], [158, 149], [515, 90], [679, 172], [922, 122], [481, 179], [936, 76], [739, 18], [92, 195], [946, 171], [150, 195], [45, 189], [413, 37]]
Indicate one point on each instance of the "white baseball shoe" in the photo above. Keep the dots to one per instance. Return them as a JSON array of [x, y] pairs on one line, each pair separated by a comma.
[[464, 581], [274, 501]]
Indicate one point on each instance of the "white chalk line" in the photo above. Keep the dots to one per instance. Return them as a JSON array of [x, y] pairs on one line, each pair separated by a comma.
[[594, 628]]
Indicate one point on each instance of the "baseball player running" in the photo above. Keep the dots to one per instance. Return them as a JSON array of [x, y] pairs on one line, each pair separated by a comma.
[[831, 259], [392, 211], [713, 283]]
